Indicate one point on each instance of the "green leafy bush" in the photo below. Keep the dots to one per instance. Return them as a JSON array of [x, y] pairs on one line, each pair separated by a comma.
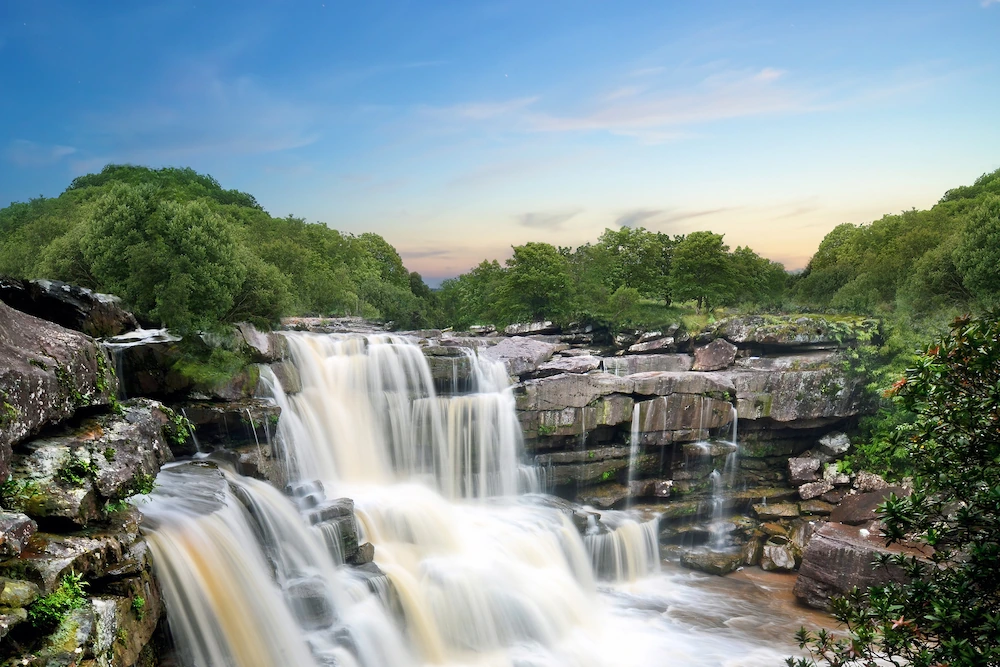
[[947, 612], [47, 612]]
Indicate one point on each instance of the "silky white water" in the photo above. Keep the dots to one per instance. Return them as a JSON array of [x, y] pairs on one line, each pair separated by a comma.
[[480, 573]]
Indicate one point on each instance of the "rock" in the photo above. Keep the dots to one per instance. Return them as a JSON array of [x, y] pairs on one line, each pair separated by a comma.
[[814, 489], [779, 555], [527, 328], [568, 391], [310, 603], [574, 365], [791, 332], [15, 593], [681, 418], [631, 364], [838, 558], [666, 383], [261, 347], [365, 554], [835, 496], [772, 528], [520, 355], [830, 474], [72, 475], [112, 550], [659, 345], [803, 469], [288, 376], [70, 306], [604, 411], [817, 507], [712, 562], [835, 444], [605, 496], [15, 529], [715, 356], [860, 508], [869, 481], [797, 396], [47, 373], [807, 361], [228, 425], [774, 511]]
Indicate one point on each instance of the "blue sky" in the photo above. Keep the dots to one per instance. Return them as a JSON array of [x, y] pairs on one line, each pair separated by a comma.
[[456, 129]]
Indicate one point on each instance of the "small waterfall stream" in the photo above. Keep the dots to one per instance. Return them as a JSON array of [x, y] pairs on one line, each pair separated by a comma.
[[481, 573]]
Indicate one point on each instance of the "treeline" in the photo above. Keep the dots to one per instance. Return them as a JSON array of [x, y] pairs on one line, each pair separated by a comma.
[[929, 264], [609, 282], [182, 251]]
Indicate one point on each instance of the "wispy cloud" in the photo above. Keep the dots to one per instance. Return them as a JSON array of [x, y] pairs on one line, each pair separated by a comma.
[[423, 254], [636, 217], [987, 3], [731, 95], [24, 153], [545, 219]]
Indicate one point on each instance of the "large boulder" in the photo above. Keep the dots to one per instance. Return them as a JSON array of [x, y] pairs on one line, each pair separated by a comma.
[[529, 328], [862, 508], [520, 355], [73, 307], [15, 529], [607, 410], [715, 356], [665, 383], [47, 373], [72, 475], [262, 347], [840, 557]]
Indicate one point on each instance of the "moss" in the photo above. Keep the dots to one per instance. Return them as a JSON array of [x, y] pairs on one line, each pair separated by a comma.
[[104, 383], [8, 413], [75, 469], [110, 453], [546, 430], [49, 611], [18, 494], [139, 607], [122, 636]]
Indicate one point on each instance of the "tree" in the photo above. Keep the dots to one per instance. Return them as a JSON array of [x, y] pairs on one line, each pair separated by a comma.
[[757, 280], [978, 254], [948, 610], [639, 259], [173, 262], [701, 270], [536, 284]]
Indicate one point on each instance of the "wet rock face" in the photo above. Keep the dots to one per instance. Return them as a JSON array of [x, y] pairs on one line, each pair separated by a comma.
[[47, 373], [73, 475], [232, 424], [262, 347], [73, 307]]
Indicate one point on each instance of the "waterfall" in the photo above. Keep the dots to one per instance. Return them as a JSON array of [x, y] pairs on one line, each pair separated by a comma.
[[473, 573], [633, 450], [246, 582]]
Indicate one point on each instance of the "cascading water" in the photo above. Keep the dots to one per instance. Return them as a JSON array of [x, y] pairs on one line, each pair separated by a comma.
[[481, 575]]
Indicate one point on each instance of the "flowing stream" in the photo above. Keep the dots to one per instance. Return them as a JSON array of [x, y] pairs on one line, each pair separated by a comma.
[[480, 569]]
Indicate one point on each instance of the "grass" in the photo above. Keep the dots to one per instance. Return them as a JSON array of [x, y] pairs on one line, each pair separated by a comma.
[[49, 611]]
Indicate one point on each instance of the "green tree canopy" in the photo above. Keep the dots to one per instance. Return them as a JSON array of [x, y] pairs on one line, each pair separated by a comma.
[[701, 270]]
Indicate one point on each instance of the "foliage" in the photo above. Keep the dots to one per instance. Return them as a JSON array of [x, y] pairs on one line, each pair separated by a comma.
[[701, 270], [919, 263], [947, 610], [139, 607], [536, 284], [184, 252], [47, 612], [77, 469]]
